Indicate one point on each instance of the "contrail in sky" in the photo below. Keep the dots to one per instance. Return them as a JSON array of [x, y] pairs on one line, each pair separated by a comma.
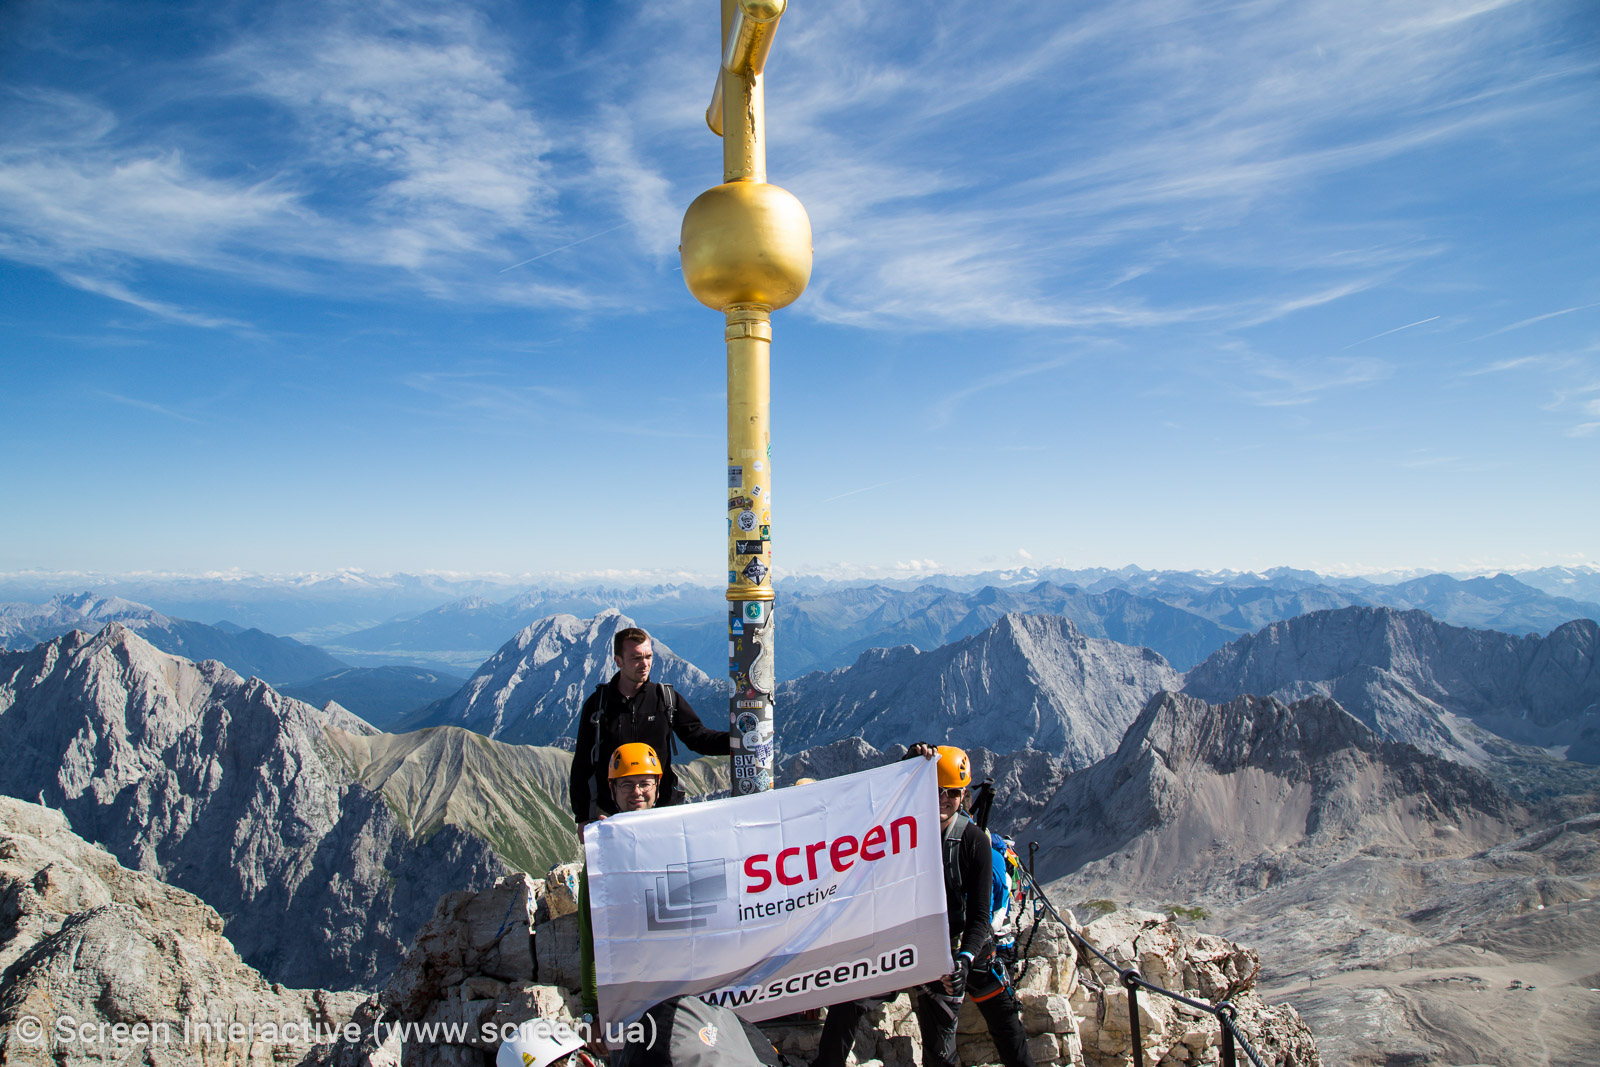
[[563, 248], [853, 492], [1538, 318], [1386, 333]]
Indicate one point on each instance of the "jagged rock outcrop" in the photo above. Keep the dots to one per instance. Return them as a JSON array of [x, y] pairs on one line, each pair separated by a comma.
[[1228, 799], [88, 946], [1405, 675], [1027, 682], [530, 691], [222, 787], [1199, 966]]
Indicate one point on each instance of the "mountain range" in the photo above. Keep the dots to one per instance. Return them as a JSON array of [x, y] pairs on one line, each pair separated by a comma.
[[276, 813], [1413, 678], [248, 652], [1183, 616], [461, 634], [1038, 683], [310, 606], [1295, 765], [442, 623]]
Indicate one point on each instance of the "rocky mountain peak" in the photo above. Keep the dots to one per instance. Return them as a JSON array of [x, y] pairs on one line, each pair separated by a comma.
[[1412, 678], [531, 690], [225, 788], [1025, 682], [1204, 798], [1251, 731]]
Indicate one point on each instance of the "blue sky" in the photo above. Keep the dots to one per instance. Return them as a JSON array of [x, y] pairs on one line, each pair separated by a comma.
[[394, 285]]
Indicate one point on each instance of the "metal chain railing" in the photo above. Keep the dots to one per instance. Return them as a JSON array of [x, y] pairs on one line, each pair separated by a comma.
[[1224, 1012]]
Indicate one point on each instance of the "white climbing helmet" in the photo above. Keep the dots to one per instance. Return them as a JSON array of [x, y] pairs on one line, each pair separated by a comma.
[[537, 1043]]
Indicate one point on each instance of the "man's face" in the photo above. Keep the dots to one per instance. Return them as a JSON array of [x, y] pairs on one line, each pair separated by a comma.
[[634, 662], [635, 792], [949, 802]]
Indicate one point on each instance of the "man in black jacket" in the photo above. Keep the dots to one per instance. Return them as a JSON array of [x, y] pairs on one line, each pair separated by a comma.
[[968, 881], [632, 708]]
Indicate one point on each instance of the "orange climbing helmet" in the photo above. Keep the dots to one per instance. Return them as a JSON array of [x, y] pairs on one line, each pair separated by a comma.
[[636, 757], [955, 769]]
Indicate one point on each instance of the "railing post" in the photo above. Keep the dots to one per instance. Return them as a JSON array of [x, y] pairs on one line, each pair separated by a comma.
[[1225, 1015], [1224, 1011], [1130, 978]]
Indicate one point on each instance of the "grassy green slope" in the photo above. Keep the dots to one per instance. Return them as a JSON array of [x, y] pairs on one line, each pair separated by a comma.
[[449, 776], [512, 796]]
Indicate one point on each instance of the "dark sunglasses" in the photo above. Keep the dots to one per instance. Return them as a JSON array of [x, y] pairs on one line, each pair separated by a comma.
[[946, 794]]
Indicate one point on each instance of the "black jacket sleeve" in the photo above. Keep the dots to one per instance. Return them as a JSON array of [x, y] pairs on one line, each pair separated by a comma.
[[696, 734], [582, 772], [977, 882]]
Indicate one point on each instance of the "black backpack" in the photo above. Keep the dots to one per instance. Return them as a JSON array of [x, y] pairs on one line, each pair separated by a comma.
[[688, 1032], [953, 885], [607, 739]]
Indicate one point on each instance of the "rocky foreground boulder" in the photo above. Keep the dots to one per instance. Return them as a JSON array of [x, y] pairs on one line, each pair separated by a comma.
[[490, 960], [1200, 967], [101, 964]]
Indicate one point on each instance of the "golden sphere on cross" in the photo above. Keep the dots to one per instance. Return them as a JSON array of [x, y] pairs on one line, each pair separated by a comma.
[[746, 243]]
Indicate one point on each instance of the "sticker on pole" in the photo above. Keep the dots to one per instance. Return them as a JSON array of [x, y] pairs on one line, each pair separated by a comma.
[[747, 520], [754, 611]]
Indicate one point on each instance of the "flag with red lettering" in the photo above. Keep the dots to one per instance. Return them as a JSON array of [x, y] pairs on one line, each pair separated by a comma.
[[772, 903]]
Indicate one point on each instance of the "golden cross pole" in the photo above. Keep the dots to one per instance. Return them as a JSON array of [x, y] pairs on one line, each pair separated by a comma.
[[746, 250]]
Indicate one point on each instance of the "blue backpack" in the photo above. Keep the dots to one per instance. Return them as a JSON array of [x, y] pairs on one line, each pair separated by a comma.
[[1006, 873]]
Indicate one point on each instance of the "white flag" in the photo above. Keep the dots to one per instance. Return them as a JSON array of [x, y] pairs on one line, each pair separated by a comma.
[[772, 903]]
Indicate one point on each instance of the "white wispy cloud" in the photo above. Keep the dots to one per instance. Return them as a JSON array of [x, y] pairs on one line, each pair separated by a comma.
[[1291, 383], [944, 409], [147, 405], [1500, 366], [400, 143], [984, 167], [159, 308], [1228, 113], [487, 394]]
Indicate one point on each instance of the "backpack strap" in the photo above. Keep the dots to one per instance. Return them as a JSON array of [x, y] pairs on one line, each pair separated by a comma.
[[667, 697], [952, 855], [594, 752]]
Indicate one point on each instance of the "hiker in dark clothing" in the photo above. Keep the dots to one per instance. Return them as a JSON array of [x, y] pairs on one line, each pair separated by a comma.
[[968, 879], [630, 708]]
